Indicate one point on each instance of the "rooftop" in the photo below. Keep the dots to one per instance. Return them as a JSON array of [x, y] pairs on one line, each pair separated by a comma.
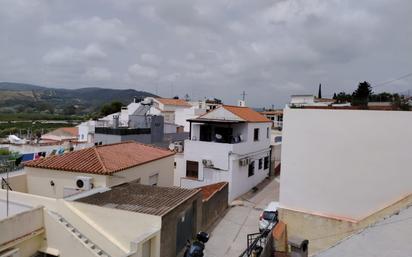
[[140, 198], [389, 237], [104, 159], [172, 101], [14, 208], [209, 190], [66, 133], [233, 114]]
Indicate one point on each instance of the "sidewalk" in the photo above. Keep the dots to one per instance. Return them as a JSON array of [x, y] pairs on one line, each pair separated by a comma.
[[228, 238]]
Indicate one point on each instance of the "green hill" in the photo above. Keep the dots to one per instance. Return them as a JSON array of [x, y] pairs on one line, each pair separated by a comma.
[[27, 98]]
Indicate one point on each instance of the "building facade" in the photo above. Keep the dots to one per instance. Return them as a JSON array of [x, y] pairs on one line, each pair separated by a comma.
[[342, 170], [229, 144], [99, 166]]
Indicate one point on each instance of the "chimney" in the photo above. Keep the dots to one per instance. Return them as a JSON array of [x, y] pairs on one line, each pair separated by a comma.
[[115, 121], [241, 103]]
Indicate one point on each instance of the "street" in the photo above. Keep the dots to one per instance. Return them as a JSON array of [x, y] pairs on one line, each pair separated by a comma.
[[228, 237]]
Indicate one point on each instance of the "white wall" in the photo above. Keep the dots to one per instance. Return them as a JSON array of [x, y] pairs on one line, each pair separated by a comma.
[[345, 163]]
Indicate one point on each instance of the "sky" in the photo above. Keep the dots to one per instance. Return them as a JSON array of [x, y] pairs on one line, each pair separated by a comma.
[[214, 48]]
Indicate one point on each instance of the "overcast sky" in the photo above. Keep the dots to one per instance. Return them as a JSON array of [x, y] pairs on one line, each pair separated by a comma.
[[208, 48]]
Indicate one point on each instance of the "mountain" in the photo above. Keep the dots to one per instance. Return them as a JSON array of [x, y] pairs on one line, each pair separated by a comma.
[[17, 97]]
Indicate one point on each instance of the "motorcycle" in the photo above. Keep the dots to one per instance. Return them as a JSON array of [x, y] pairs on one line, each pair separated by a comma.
[[196, 248]]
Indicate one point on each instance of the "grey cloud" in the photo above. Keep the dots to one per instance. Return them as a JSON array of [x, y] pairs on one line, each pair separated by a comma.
[[212, 48]]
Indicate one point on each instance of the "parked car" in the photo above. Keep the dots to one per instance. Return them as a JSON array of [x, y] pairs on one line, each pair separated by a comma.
[[269, 217]]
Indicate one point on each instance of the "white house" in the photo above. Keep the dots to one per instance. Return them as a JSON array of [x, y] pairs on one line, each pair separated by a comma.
[[343, 170], [167, 107], [229, 144]]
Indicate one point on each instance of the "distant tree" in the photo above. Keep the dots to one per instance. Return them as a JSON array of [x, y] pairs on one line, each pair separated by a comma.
[[342, 97], [400, 102], [320, 91], [113, 107], [382, 97], [69, 110], [362, 94]]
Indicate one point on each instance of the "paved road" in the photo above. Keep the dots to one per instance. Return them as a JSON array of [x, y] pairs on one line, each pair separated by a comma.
[[228, 238]]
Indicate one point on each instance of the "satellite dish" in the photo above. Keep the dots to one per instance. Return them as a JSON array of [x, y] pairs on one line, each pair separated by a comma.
[[172, 147]]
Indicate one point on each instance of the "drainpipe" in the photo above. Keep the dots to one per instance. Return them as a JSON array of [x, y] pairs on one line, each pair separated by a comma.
[[270, 162]]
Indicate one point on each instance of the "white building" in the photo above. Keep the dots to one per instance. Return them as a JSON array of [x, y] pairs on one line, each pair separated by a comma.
[[230, 144], [343, 170], [276, 116], [310, 100], [167, 107]]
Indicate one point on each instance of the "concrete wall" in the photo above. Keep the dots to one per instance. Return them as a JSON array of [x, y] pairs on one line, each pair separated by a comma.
[[214, 207], [17, 181], [138, 228], [24, 231], [111, 139], [38, 180], [324, 232], [163, 167], [170, 221], [103, 226], [345, 163]]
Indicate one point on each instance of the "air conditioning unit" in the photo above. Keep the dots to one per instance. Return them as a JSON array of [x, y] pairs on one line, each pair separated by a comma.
[[244, 162], [179, 148], [84, 183], [207, 163]]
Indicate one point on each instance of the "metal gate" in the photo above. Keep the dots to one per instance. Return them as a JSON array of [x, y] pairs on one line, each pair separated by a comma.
[[184, 229]]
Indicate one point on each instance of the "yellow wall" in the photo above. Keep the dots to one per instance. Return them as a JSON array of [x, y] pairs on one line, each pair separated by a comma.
[[324, 232], [138, 228], [17, 181], [164, 167], [38, 180], [115, 231]]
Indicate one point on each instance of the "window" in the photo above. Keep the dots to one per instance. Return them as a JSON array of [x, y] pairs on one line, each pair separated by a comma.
[[192, 169], [256, 134], [251, 169], [260, 163], [174, 165], [267, 132], [154, 179], [266, 162]]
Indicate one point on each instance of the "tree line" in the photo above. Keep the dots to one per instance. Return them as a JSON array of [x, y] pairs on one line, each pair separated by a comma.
[[364, 94]]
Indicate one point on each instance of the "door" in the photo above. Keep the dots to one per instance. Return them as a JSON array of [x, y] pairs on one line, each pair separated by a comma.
[[184, 229]]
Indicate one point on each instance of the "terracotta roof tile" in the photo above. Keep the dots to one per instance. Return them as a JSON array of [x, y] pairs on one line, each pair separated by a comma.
[[105, 159], [209, 190], [171, 101], [140, 198], [246, 113]]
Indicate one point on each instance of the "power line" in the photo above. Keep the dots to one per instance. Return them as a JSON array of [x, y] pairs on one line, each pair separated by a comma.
[[392, 80]]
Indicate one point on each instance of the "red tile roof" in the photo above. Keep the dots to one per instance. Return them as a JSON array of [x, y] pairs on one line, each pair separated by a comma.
[[103, 160], [209, 190], [172, 101], [246, 113]]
